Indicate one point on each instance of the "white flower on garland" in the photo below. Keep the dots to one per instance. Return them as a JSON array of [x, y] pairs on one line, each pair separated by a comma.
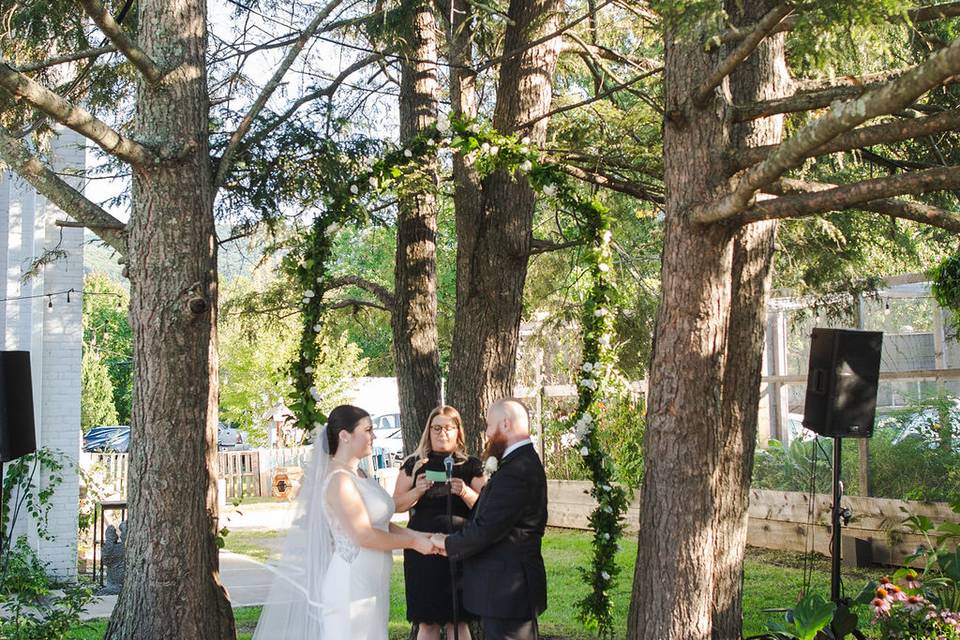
[[308, 370], [485, 147], [604, 340], [354, 189], [604, 267], [315, 393], [569, 439], [332, 228], [550, 190], [587, 366], [443, 124], [317, 328], [474, 128], [604, 575], [494, 150], [607, 235], [584, 452], [526, 166], [407, 153], [374, 183], [525, 140], [606, 536], [589, 383], [601, 312], [308, 293]]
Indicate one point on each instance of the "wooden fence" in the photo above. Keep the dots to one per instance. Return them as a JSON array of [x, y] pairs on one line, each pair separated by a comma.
[[244, 473], [780, 520]]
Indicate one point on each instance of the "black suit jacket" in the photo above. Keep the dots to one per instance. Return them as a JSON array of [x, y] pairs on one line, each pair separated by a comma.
[[503, 572]]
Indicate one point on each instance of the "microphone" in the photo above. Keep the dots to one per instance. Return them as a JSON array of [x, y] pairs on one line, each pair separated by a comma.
[[448, 466]]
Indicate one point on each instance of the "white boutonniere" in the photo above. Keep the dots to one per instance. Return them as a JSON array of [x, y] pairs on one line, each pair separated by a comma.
[[491, 465]]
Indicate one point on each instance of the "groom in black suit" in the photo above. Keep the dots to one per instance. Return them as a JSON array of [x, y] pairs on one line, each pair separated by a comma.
[[504, 579]]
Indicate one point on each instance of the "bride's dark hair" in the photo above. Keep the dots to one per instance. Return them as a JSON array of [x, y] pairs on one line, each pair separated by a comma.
[[346, 417]]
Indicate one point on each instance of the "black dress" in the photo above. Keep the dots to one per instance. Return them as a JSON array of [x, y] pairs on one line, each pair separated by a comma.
[[427, 578]]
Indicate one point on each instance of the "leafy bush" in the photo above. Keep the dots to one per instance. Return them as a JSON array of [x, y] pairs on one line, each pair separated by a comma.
[[32, 609], [904, 467], [621, 435]]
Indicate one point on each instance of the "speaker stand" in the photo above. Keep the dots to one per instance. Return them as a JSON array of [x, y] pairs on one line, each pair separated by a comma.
[[835, 517]]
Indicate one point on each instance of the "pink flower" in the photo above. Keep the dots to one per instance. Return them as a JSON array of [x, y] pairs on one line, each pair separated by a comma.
[[911, 580], [896, 593], [882, 593], [914, 603], [881, 607]]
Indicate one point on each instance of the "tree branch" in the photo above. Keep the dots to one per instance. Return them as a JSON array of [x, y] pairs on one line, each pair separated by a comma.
[[868, 195], [605, 53], [891, 97], [236, 138], [538, 246], [920, 14], [60, 193], [863, 137], [613, 184], [74, 117], [326, 92], [529, 45], [70, 57], [808, 100], [746, 46], [356, 303], [379, 291], [599, 96], [137, 57]]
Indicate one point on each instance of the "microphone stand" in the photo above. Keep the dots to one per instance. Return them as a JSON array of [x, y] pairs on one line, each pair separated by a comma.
[[448, 467]]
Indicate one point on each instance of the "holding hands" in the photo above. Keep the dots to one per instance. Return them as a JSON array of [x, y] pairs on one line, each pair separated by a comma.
[[427, 544]]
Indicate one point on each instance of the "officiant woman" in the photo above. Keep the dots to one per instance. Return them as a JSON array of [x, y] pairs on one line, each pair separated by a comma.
[[427, 578]]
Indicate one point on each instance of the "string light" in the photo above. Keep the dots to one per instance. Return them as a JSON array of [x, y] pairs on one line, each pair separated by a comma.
[[67, 293]]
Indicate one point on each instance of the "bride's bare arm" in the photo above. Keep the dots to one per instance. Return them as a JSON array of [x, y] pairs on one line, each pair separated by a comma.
[[348, 508]]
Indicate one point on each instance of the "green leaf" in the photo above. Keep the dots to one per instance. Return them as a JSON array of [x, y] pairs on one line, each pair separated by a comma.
[[866, 594], [811, 615]]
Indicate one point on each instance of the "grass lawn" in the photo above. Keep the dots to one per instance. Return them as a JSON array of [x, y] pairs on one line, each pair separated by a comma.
[[771, 580]]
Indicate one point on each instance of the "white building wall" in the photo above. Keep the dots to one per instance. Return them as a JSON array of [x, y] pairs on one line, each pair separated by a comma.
[[52, 334]]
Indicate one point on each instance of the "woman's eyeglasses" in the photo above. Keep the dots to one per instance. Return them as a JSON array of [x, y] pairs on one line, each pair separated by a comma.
[[440, 428]]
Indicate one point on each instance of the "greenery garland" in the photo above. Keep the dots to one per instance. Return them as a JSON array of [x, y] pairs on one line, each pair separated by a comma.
[[596, 377], [491, 151]]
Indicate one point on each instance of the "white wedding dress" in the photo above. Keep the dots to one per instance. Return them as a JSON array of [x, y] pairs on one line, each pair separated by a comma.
[[355, 593], [326, 586]]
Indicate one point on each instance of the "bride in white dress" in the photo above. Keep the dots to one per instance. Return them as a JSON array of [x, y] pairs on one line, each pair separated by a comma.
[[333, 582]]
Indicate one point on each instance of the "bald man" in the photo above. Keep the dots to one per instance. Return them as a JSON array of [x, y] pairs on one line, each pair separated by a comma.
[[504, 581]]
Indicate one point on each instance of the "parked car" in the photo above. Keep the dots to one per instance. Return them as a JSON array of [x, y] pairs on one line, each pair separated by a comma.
[[229, 438], [388, 437], [107, 438]]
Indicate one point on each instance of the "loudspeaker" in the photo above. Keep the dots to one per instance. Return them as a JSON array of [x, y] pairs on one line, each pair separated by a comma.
[[17, 434], [842, 382]]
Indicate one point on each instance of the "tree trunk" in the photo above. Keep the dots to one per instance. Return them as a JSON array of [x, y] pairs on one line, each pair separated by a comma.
[[172, 588], [672, 588], [495, 222], [762, 76], [414, 317], [705, 371]]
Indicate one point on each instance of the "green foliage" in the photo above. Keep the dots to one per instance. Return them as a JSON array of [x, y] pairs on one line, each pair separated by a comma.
[[255, 353], [810, 616], [32, 610], [914, 455], [22, 487], [96, 393], [945, 283], [107, 333], [791, 467]]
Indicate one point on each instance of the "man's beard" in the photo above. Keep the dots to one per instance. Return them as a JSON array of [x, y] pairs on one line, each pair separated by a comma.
[[495, 447]]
